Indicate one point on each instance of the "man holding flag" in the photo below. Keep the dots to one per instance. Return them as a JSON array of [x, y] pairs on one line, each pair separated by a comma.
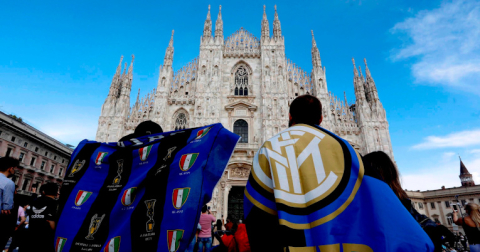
[[309, 187]]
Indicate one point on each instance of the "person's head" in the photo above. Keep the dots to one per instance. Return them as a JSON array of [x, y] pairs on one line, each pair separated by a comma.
[[228, 220], [382, 163], [8, 166], [49, 189], [305, 109], [204, 209], [147, 128], [219, 224], [473, 211]]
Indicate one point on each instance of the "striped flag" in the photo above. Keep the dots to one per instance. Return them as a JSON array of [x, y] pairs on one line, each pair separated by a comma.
[[113, 245], [60, 244], [201, 133], [174, 237], [100, 157], [143, 152], [180, 196], [82, 197], [187, 161], [128, 196]]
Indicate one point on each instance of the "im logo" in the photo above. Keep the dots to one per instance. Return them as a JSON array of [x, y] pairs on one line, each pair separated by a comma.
[[309, 171]]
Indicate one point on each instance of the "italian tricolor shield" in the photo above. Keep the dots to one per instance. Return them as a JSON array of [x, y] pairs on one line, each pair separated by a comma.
[[113, 245], [201, 133], [128, 196], [180, 196], [82, 197], [143, 152], [187, 161], [100, 156], [174, 237], [60, 244]]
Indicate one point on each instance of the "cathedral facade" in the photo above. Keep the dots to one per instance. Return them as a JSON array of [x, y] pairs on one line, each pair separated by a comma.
[[247, 84]]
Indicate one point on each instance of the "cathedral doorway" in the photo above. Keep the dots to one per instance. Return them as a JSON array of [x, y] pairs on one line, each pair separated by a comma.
[[235, 203]]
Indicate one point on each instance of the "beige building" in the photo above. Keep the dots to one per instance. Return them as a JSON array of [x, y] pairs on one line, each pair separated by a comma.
[[247, 84], [437, 204], [42, 158]]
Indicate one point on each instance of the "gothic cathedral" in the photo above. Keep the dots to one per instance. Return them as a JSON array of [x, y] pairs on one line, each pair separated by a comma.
[[247, 84]]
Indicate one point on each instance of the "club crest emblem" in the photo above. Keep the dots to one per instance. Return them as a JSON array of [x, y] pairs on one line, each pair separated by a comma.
[[100, 157], [143, 152], [94, 226], [174, 237], [82, 197], [129, 196], [113, 245], [201, 133], [117, 178], [169, 153], [77, 166], [180, 196], [187, 161], [60, 243], [150, 213]]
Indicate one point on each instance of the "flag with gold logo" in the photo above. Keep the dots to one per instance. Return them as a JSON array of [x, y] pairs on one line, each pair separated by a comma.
[[310, 188], [142, 194]]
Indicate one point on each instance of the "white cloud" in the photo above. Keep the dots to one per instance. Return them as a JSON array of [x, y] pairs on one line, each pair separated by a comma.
[[440, 174], [457, 139], [446, 42], [448, 155], [475, 151]]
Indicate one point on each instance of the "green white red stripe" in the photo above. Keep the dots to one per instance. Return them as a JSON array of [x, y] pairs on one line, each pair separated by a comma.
[[143, 152], [174, 237], [100, 157], [187, 161], [113, 245], [60, 244], [180, 196], [128, 196], [82, 197], [201, 133]]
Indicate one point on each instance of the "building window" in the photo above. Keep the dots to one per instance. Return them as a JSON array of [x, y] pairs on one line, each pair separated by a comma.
[[42, 166], [181, 122], [413, 205], [464, 202], [13, 139], [26, 183], [437, 221], [60, 171], [449, 220], [52, 168], [21, 156], [63, 161], [9, 151], [54, 157], [36, 149], [46, 153], [1, 132], [432, 205], [420, 205], [32, 161], [240, 127], [447, 204], [25, 144], [241, 81]]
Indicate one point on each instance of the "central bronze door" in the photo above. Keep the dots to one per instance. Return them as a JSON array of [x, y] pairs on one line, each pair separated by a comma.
[[235, 203]]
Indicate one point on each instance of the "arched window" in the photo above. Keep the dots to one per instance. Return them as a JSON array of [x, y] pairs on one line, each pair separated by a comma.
[[241, 81], [240, 127], [181, 122]]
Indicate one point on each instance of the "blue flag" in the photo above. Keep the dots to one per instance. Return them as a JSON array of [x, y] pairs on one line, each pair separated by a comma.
[[144, 194], [308, 191]]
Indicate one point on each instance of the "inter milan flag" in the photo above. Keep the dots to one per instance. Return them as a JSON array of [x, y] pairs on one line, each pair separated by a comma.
[[308, 191], [144, 194]]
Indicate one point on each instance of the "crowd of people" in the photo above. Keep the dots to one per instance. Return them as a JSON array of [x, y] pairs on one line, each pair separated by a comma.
[[28, 221], [31, 222]]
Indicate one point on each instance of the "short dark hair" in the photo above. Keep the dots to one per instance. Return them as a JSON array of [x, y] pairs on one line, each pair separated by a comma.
[[306, 109], [49, 188], [204, 209], [8, 162]]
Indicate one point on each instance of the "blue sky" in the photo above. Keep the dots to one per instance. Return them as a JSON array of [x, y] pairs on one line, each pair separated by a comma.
[[58, 58]]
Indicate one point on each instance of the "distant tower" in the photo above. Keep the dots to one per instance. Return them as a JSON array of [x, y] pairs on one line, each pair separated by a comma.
[[465, 176]]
